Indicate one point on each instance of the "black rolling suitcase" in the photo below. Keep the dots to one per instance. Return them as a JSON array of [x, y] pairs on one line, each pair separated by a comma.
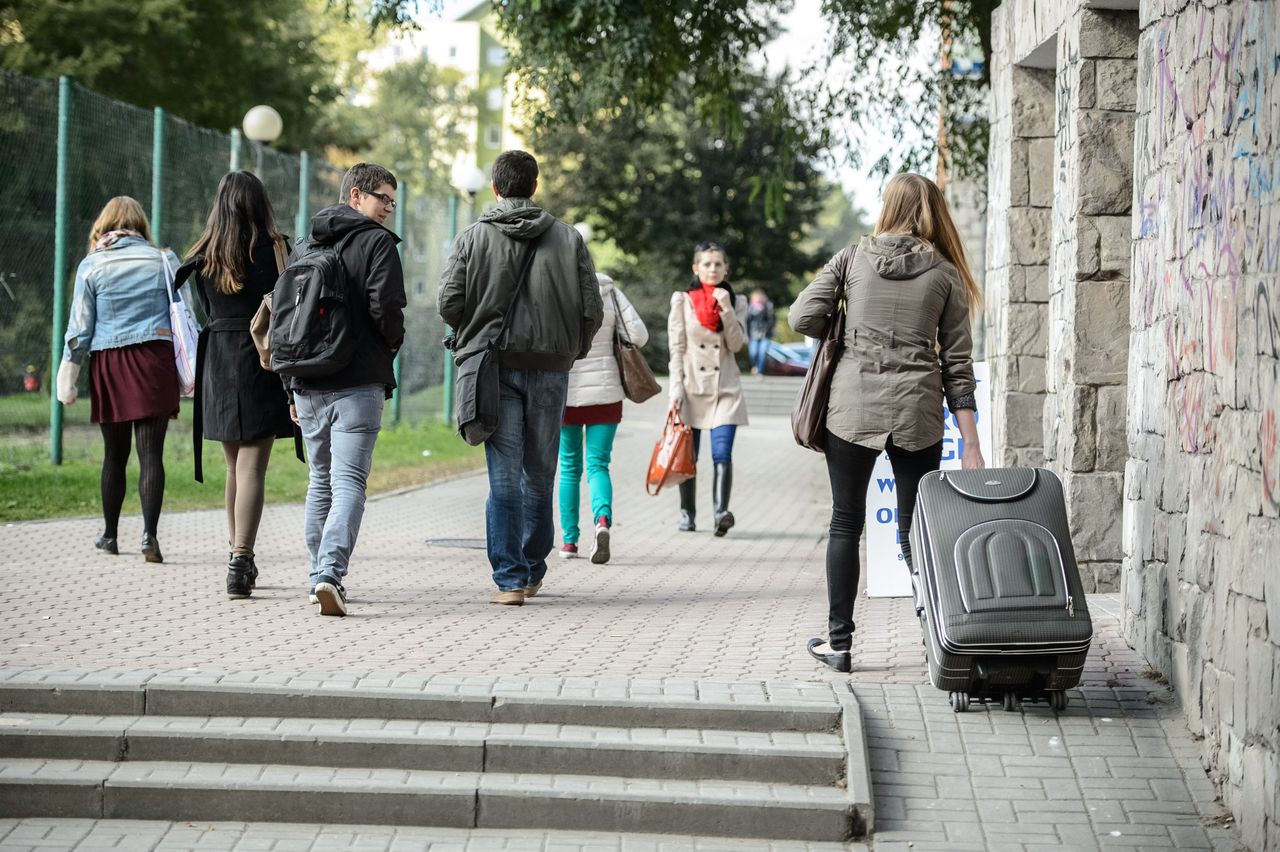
[[997, 588]]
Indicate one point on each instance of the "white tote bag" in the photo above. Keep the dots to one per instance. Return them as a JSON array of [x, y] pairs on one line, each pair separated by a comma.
[[185, 333]]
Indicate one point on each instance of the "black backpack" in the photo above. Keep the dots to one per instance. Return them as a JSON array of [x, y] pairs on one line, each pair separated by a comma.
[[311, 332]]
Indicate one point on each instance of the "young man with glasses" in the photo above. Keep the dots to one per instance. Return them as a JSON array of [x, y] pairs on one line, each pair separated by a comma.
[[552, 321], [341, 413]]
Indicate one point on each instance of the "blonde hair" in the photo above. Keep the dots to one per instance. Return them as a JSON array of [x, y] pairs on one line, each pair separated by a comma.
[[121, 213], [914, 205]]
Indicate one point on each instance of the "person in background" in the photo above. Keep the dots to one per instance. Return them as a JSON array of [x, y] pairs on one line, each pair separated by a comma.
[[235, 262], [907, 288], [760, 323], [120, 321], [591, 418], [704, 331]]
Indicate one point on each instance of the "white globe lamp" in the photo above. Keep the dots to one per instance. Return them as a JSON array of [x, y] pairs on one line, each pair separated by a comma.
[[263, 124], [467, 179]]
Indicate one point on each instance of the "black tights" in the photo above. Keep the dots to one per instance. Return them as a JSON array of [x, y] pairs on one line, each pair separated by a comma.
[[116, 438], [849, 466]]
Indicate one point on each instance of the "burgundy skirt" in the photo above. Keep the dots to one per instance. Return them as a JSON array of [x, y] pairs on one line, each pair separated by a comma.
[[590, 415], [133, 383]]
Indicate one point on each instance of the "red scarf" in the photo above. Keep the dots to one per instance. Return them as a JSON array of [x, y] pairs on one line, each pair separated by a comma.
[[706, 306]]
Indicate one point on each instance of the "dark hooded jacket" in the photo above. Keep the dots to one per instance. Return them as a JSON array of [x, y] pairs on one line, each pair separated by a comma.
[[907, 340], [559, 310], [376, 282]]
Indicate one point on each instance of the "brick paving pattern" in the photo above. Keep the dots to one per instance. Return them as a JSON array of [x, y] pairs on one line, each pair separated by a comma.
[[673, 614]]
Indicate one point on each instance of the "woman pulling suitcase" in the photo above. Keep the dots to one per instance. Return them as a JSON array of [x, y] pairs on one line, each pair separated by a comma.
[[907, 344]]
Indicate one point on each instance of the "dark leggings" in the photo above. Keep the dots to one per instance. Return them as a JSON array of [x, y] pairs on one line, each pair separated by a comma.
[[116, 439], [849, 466]]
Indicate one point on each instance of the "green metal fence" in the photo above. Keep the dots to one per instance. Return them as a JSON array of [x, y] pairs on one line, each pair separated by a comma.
[[108, 148]]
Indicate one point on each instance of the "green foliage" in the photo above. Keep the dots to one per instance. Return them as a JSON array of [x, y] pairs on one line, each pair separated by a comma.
[[414, 122], [207, 62], [579, 59], [655, 183]]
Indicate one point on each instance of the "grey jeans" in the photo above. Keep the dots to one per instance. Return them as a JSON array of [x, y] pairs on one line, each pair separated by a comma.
[[340, 428]]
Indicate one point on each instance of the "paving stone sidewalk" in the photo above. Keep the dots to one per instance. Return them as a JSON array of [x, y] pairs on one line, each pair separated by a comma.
[[1117, 770]]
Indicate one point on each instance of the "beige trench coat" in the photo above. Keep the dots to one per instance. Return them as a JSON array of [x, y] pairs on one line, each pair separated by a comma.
[[903, 298], [703, 371]]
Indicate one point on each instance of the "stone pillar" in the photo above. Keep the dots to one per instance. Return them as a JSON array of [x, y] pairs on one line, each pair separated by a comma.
[[1019, 198], [1084, 409]]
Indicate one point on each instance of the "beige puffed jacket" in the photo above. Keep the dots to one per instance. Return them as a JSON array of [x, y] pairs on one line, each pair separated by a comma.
[[704, 373], [907, 341]]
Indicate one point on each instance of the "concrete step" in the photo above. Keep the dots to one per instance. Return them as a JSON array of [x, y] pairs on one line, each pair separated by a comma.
[[144, 790], [725, 706], [102, 834], [781, 757]]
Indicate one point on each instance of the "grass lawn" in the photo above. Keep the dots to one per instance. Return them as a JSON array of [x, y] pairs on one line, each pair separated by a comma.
[[31, 488]]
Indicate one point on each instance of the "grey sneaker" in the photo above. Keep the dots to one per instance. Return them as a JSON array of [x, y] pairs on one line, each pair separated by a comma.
[[331, 597]]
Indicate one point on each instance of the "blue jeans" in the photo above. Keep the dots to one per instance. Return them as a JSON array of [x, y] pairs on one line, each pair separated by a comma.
[[721, 443], [340, 428], [598, 451], [757, 350], [521, 457]]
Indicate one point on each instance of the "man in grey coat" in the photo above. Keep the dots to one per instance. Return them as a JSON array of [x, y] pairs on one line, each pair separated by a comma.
[[553, 320]]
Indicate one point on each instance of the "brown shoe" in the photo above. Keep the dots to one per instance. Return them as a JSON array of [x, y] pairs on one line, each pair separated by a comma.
[[511, 598], [530, 591]]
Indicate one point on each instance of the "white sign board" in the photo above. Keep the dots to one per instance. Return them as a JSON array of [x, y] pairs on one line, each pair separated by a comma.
[[886, 571]]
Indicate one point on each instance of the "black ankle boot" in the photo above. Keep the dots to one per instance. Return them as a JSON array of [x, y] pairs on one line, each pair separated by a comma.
[[721, 487], [107, 545], [239, 577], [688, 502]]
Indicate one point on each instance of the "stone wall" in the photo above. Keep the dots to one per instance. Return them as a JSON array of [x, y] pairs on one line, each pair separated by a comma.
[[1089, 280], [1201, 575]]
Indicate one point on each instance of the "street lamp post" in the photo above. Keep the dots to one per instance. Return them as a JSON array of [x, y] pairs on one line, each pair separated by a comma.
[[262, 125], [468, 180]]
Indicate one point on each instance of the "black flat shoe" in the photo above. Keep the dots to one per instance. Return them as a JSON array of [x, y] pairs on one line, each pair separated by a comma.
[[107, 545], [841, 661], [151, 548]]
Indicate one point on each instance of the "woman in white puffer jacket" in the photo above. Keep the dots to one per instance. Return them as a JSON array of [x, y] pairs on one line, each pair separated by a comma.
[[591, 418]]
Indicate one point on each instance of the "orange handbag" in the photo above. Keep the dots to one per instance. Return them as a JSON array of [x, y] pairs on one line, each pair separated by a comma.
[[672, 461]]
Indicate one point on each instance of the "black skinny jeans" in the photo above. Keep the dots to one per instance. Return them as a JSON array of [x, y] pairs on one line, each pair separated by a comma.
[[849, 466]]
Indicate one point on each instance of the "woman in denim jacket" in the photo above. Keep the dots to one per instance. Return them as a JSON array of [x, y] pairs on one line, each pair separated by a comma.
[[120, 314]]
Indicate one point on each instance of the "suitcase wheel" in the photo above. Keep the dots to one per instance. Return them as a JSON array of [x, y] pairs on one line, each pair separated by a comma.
[[959, 701], [1058, 699], [1011, 702]]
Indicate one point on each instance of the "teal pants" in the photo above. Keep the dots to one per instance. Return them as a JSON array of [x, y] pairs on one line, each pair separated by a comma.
[[598, 452]]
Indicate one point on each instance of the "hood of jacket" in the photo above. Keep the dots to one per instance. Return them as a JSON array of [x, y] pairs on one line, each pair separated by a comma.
[[898, 256], [338, 220], [519, 218]]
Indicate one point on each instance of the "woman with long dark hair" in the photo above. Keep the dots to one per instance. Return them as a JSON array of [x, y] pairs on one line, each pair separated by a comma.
[[120, 320], [907, 344], [234, 263]]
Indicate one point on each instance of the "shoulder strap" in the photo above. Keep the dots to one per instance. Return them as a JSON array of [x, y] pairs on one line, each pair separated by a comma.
[[619, 327], [525, 266], [282, 255]]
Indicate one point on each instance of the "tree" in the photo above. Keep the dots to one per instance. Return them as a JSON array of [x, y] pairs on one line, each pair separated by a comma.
[[416, 114], [653, 184], [207, 62], [582, 57]]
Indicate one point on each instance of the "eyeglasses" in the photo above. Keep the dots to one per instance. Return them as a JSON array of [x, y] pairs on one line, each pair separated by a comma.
[[387, 200], [708, 246]]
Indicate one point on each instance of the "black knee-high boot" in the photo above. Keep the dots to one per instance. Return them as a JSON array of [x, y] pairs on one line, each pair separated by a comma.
[[688, 504], [721, 487]]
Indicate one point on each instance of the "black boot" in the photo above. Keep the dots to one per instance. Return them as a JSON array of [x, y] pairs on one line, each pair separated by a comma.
[[239, 577], [688, 502], [721, 486]]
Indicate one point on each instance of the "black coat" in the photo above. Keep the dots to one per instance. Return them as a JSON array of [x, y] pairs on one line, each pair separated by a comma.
[[375, 281], [237, 399]]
